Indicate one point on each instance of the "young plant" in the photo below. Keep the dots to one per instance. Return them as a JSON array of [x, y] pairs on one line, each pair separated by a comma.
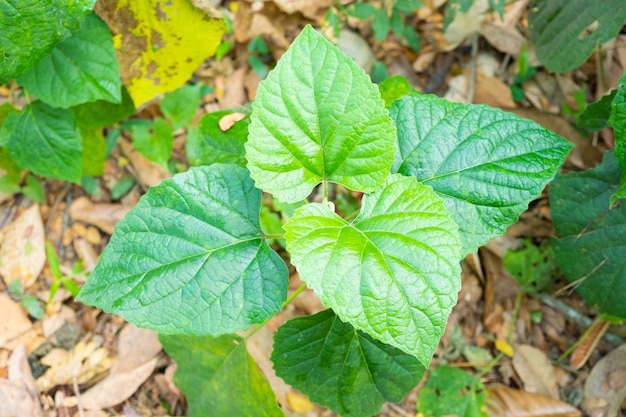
[[439, 179]]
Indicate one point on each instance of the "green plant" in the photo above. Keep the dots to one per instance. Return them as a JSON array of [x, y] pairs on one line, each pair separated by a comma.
[[439, 179], [58, 278]]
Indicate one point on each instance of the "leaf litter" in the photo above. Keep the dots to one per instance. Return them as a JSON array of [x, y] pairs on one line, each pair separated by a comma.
[[110, 368]]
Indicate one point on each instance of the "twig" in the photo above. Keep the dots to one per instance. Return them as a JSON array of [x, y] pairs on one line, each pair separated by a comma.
[[81, 412], [55, 205], [575, 316], [471, 89]]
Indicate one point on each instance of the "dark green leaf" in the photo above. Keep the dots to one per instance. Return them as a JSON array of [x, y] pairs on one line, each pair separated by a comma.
[[180, 106], [219, 378], [392, 273], [30, 29], [498, 6], [485, 163], [565, 32], [596, 115], [121, 187], [44, 140], [412, 39], [407, 6], [532, 266], [380, 25], [590, 248], [209, 144], [362, 10], [396, 23], [340, 367], [103, 113], [190, 258], [318, 117], [155, 141], [451, 392], [618, 122], [80, 69]]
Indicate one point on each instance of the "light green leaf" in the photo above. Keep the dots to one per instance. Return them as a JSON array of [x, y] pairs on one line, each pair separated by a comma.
[[80, 69], [30, 29], [219, 378], [392, 273], [104, 113], [154, 140], [590, 248], [395, 87], [209, 144], [486, 164], [44, 140], [190, 258], [180, 105], [450, 391], [565, 32], [340, 367], [94, 151], [318, 117]]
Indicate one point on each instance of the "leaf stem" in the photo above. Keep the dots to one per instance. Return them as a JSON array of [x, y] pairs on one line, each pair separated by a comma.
[[274, 236], [324, 191], [294, 295]]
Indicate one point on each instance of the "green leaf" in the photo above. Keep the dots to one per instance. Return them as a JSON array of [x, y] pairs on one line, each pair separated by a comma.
[[44, 140], [392, 273], [210, 144], [103, 113], [450, 391], [318, 117], [82, 68], [219, 378], [154, 140], [395, 87], [532, 266], [180, 105], [30, 29], [596, 115], [94, 151], [590, 248], [340, 367], [362, 10], [486, 164], [32, 305], [565, 32], [618, 122], [121, 187], [498, 6], [407, 6], [33, 189], [190, 258], [381, 25], [412, 39]]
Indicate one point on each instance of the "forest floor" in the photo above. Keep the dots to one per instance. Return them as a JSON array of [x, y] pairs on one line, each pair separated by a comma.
[[77, 355]]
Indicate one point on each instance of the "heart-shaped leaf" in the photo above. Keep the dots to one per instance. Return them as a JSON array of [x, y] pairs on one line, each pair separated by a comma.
[[340, 367], [486, 164], [190, 258], [393, 273], [317, 117]]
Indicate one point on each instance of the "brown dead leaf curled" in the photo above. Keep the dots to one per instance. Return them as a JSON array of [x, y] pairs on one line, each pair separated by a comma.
[[508, 402], [504, 39], [587, 346], [22, 251], [535, 370], [606, 384], [103, 216]]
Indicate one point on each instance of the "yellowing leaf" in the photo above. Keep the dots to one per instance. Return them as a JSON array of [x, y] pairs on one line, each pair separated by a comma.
[[504, 347], [160, 43]]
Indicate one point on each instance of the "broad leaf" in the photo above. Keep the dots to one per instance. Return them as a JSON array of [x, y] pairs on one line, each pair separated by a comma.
[[180, 105], [161, 43], [452, 392], [318, 117], [219, 378], [395, 87], [154, 140], [209, 144], [340, 367], [392, 273], [190, 258], [565, 32], [44, 140], [80, 69], [104, 113], [30, 29], [596, 116], [590, 248], [486, 164], [618, 122]]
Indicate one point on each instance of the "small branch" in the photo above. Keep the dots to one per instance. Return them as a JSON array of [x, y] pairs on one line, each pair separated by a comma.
[[471, 90]]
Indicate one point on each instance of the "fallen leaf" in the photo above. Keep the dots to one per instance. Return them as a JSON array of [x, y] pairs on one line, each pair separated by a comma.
[[587, 346], [160, 43], [103, 216], [535, 370], [22, 249], [235, 93], [607, 381], [503, 38], [465, 24], [10, 330], [229, 120], [117, 388], [298, 402], [135, 347], [16, 401], [147, 172], [493, 91], [508, 402], [312, 9]]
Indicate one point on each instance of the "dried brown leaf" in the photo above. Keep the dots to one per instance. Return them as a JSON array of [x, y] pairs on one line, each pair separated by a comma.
[[311, 9], [10, 330], [146, 172], [586, 347], [535, 370], [508, 402], [103, 216], [135, 347], [607, 381]]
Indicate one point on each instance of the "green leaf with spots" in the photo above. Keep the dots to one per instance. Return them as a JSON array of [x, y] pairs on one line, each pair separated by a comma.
[[80, 69], [486, 164], [340, 367], [452, 392], [154, 140], [219, 378], [190, 258], [318, 117], [392, 273], [44, 140], [30, 29]]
